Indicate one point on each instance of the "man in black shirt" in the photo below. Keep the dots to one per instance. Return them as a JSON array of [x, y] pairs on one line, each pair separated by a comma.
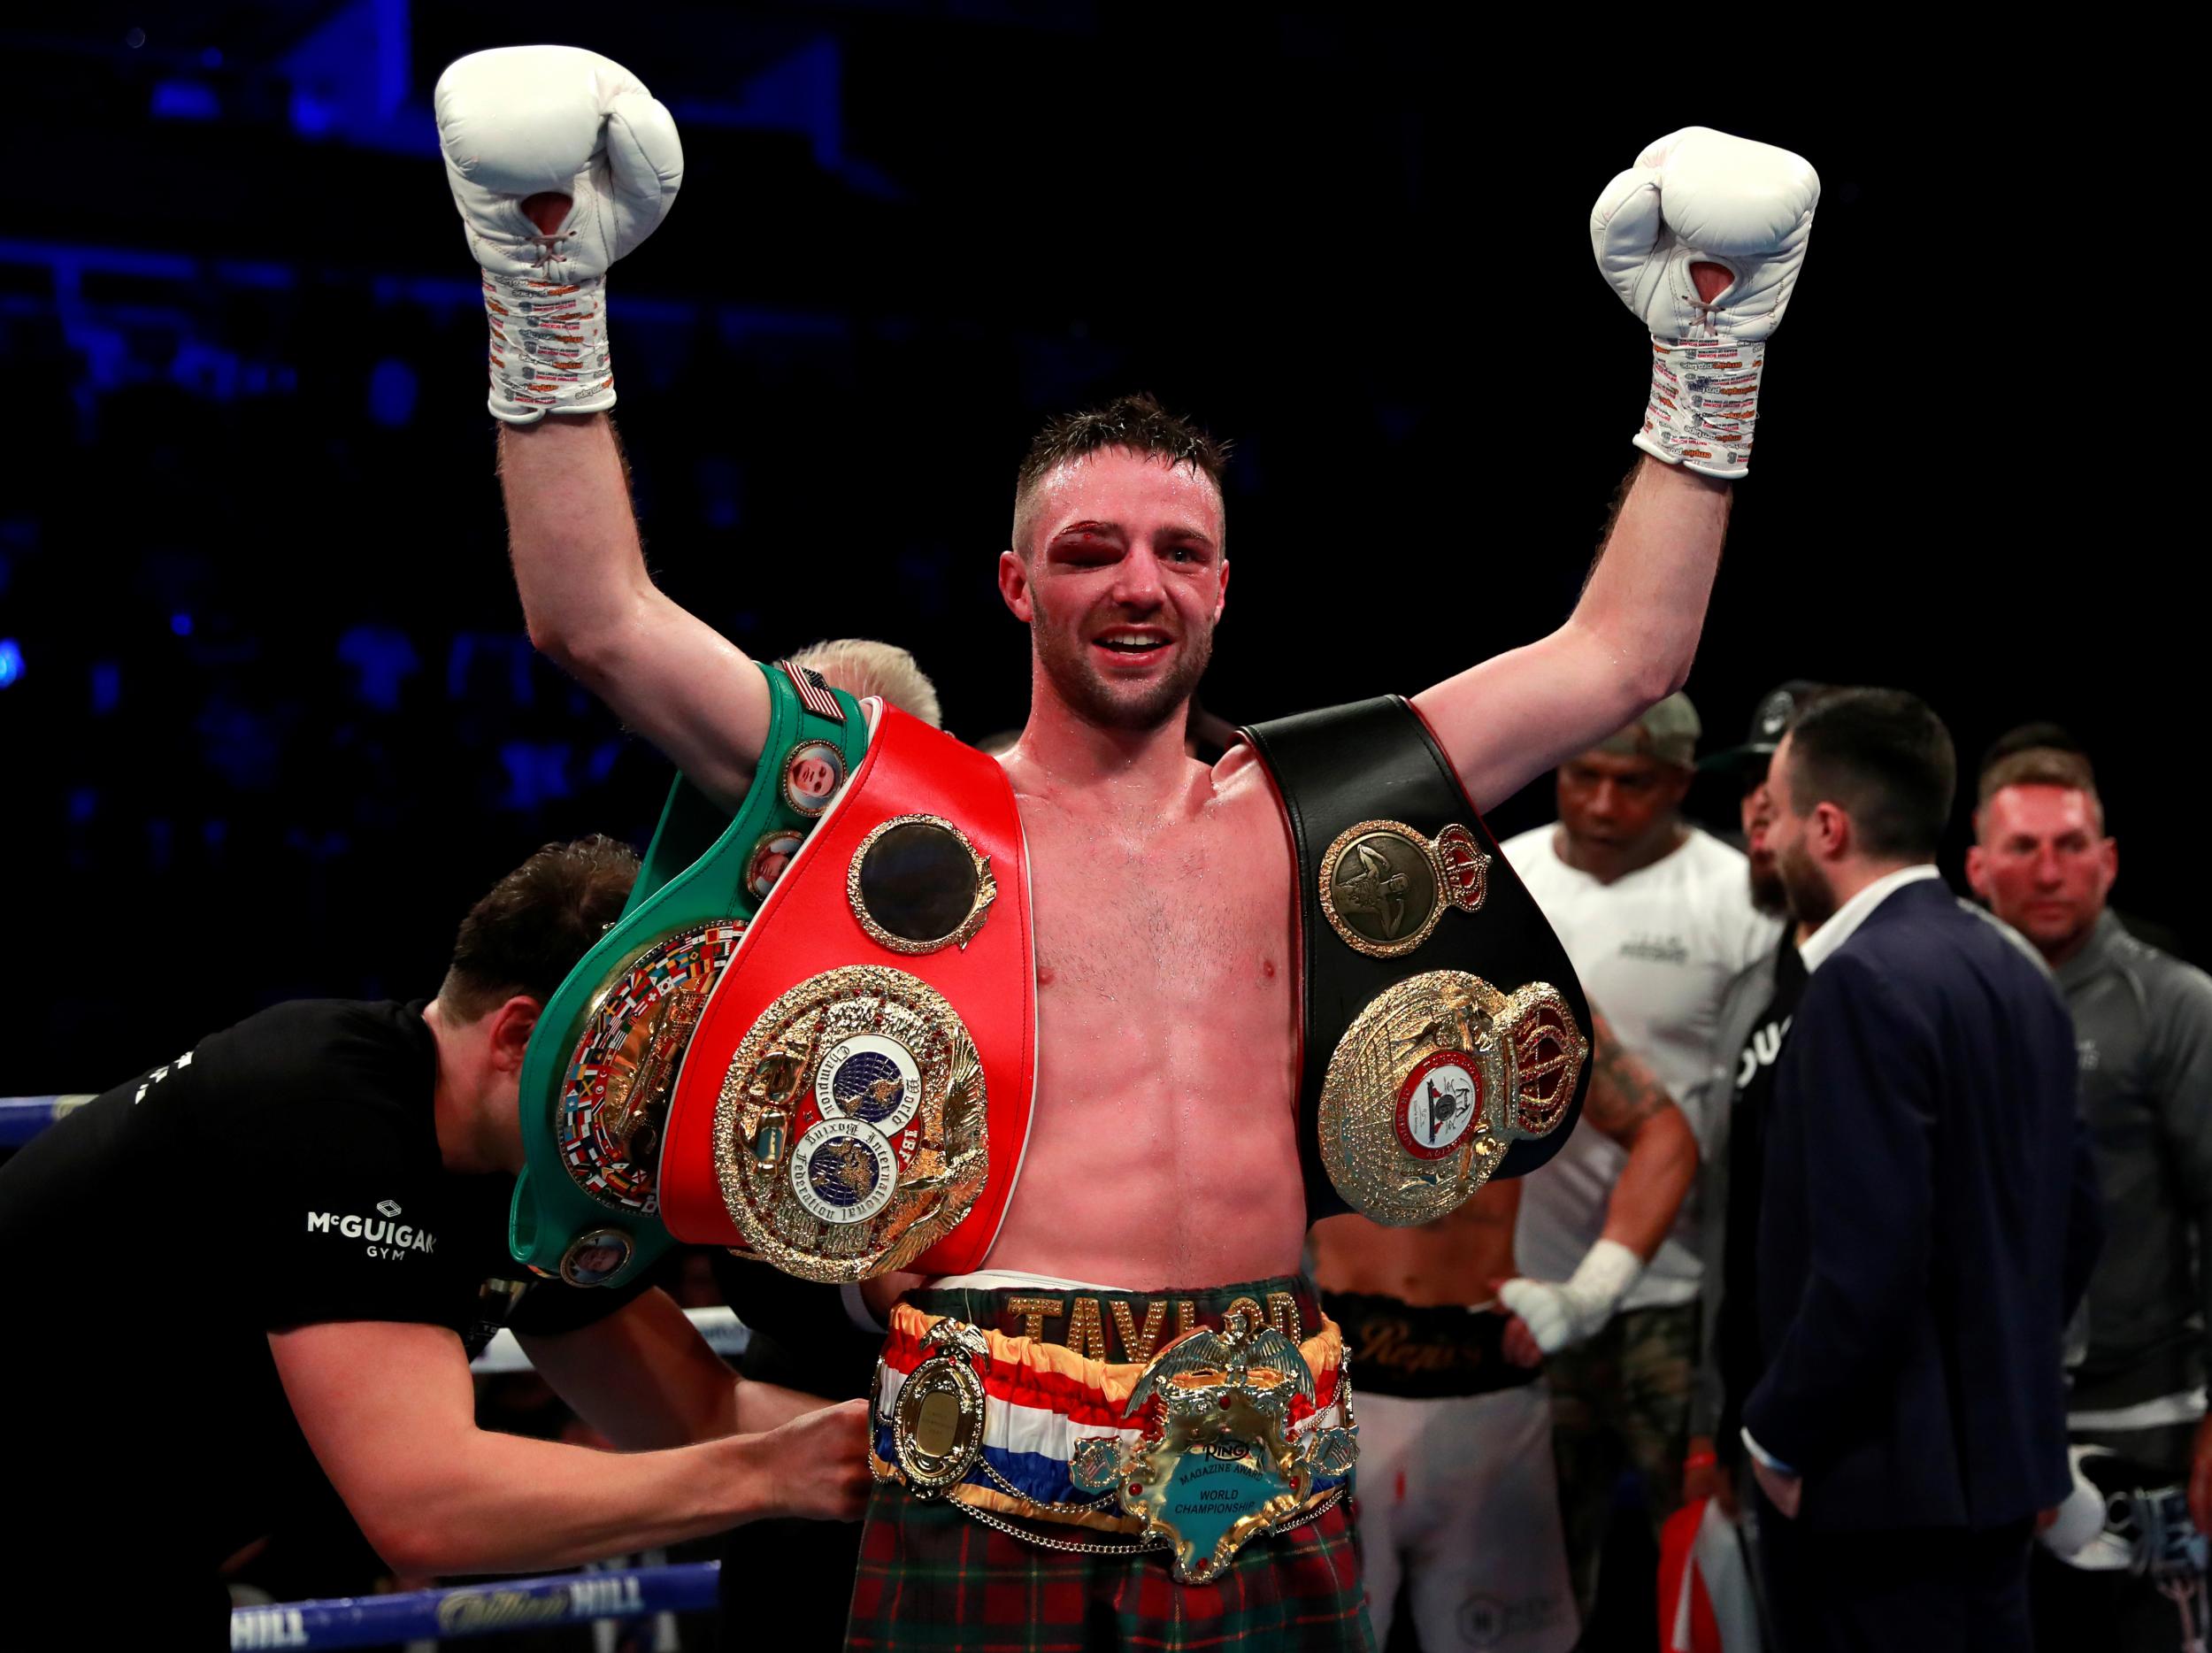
[[1754, 1020], [300, 1225]]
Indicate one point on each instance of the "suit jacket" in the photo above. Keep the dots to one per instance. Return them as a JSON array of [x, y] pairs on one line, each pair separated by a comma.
[[1930, 1221]]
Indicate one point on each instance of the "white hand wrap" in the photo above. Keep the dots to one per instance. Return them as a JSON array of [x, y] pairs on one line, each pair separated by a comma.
[[529, 120], [1701, 197], [2081, 1516], [1561, 1312], [549, 347]]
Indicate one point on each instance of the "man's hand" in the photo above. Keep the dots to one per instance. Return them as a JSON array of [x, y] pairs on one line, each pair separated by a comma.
[[1520, 1344], [1556, 1313], [817, 1465], [1784, 1492]]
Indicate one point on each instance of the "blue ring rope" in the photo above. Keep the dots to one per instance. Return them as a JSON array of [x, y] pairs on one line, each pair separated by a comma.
[[22, 1118], [477, 1610]]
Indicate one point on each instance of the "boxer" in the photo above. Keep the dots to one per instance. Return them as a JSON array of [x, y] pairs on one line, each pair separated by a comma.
[[1143, 1205]]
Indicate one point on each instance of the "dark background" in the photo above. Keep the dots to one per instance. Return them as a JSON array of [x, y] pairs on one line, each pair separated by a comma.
[[270, 722]]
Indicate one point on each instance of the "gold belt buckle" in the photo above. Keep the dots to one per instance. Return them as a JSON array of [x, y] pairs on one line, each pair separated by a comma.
[[937, 1421], [1215, 1465]]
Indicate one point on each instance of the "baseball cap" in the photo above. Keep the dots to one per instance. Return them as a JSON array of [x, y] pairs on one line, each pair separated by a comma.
[[1770, 721], [1667, 731]]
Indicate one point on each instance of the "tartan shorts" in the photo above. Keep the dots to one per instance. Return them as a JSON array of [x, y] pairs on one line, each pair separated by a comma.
[[932, 1578]]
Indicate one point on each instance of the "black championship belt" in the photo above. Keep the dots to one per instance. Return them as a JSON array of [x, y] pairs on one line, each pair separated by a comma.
[[1445, 1037]]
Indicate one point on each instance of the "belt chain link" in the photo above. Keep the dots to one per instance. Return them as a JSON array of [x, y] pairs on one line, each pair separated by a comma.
[[1075, 1547]]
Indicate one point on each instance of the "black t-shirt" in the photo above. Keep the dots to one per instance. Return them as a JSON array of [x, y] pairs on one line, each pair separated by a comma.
[[284, 1172], [1736, 1334]]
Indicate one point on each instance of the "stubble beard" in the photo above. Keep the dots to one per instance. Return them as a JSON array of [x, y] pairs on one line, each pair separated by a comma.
[[1136, 709], [1811, 901], [1770, 895]]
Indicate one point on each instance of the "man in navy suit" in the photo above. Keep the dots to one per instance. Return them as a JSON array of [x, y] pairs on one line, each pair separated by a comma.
[[1929, 1219]]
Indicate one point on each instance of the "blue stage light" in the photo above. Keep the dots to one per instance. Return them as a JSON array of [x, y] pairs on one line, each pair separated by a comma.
[[392, 386], [11, 662], [180, 623], [185, 100]]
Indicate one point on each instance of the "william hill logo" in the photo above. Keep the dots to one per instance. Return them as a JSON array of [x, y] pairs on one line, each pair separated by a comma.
[[380, 1236]]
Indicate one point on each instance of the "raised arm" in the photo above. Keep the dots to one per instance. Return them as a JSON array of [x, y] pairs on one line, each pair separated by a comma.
[[1702, 238], [1629, 642], [592, 609], [561, 162]]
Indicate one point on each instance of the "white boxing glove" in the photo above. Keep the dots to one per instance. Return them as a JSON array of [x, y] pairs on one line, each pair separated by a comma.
[[1561, 1312], [520, 122], [1701, 197]]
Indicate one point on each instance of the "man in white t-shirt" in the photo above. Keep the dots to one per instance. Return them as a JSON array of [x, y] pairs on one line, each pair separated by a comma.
[[1658, 919]]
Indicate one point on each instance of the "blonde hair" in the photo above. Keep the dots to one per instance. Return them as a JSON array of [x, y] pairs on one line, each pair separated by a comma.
[[862, 668]]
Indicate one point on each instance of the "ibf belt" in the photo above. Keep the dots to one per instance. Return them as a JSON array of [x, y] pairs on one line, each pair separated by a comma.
[[1225, 1435], [1443, 1039], [859, 1089], [602, 1060]]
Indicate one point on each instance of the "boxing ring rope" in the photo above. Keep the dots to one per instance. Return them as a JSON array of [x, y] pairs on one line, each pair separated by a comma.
[[22, 1118], [478, 1609], [467, 1610]]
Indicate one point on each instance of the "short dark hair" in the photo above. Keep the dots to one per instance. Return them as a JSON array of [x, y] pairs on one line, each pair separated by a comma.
[[2039, 766], [2052, 737], [1885, 758], [1138, 423], [530, 927]]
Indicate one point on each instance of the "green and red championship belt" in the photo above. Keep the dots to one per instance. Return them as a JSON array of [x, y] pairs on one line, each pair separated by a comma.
[[603, 1060]]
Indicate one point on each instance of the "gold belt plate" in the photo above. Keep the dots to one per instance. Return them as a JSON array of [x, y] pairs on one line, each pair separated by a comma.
[[1384, 887], [1217, 1464], [615, 1094], [1433, 1081], [937, 1421], [850, 1132]]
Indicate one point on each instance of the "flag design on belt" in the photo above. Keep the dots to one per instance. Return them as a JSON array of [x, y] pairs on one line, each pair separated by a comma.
[[814, 692], [1040, 1398]]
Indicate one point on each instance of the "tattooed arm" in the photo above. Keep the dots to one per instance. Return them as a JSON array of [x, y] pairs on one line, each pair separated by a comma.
[[1628, 1103]]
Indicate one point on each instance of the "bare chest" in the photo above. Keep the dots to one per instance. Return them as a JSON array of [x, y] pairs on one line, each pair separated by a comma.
[[1161, 1147], [1194, 921]]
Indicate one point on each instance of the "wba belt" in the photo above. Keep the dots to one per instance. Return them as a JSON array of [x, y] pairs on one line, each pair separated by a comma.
[[604, 1059], [1443, 1038], [857, 1091]]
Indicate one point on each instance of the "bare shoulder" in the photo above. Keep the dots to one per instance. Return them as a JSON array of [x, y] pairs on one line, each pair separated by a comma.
[[1239, 777]]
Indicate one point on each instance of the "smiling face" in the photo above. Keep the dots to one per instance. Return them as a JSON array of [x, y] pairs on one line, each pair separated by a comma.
[[1119, 574]]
